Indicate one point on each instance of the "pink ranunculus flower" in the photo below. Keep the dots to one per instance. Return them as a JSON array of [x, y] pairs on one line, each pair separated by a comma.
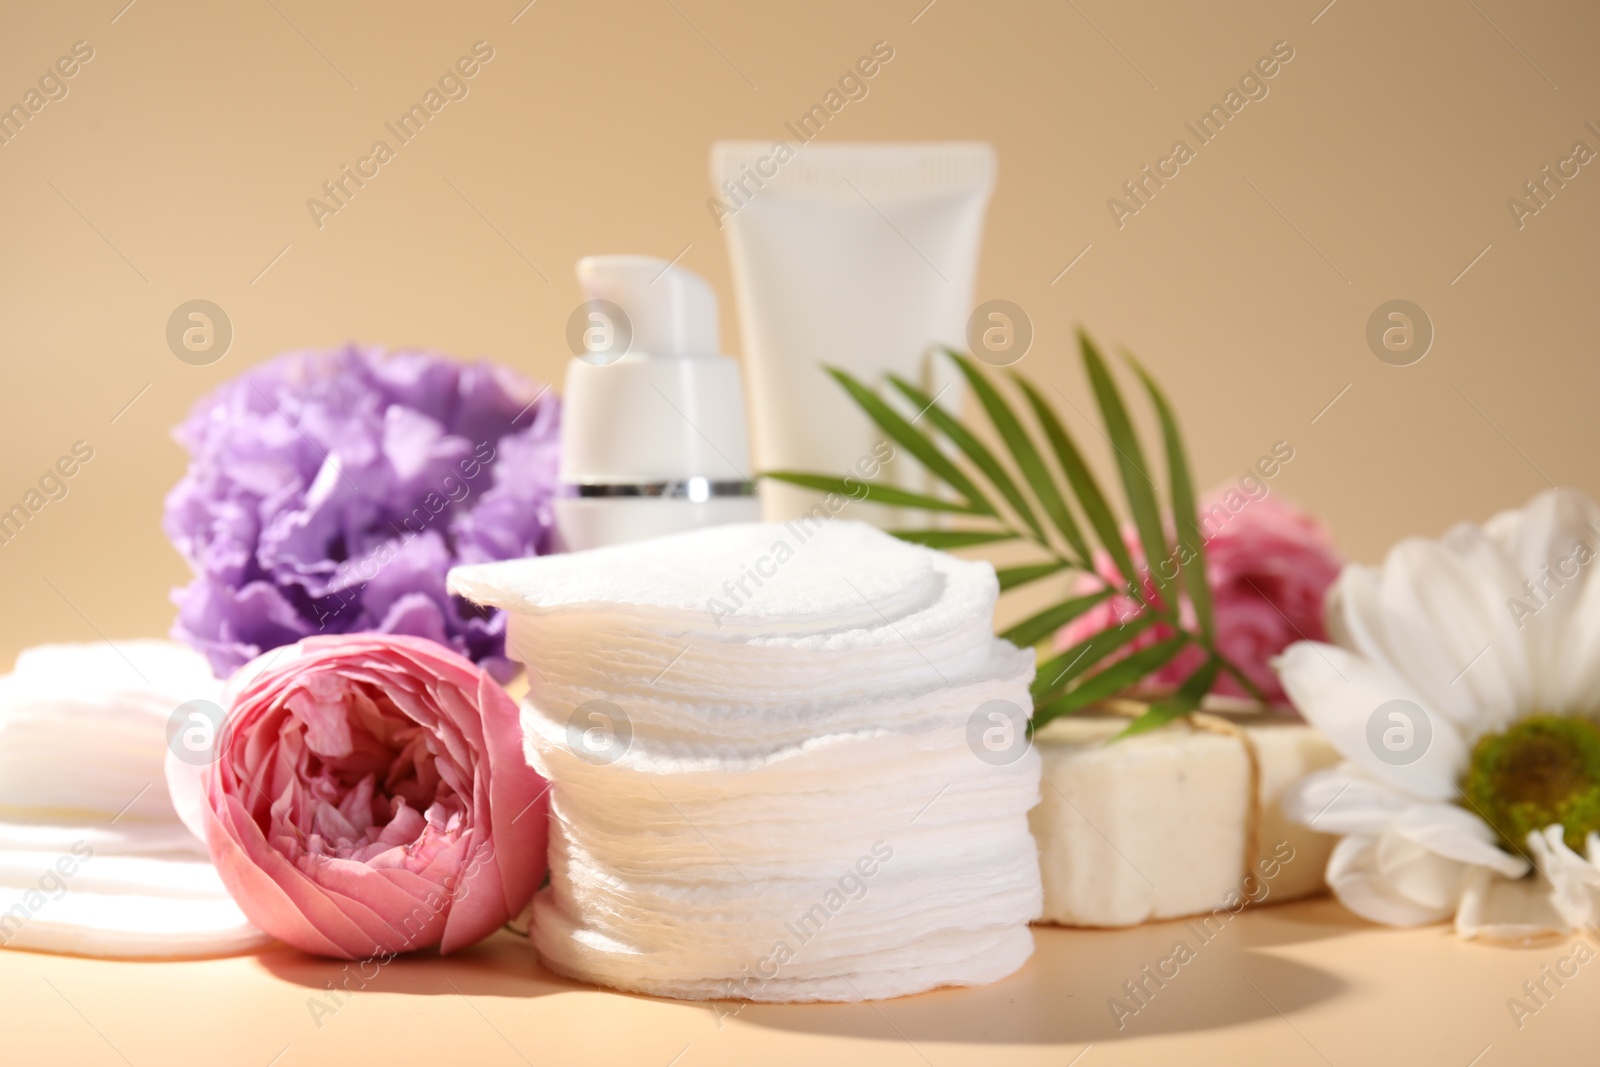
[[369, 796], [1268, 564]]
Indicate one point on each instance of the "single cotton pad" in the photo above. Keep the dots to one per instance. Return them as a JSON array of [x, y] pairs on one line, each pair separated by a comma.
[[147, 892], [761, 579], [787, 763], [663, 624]]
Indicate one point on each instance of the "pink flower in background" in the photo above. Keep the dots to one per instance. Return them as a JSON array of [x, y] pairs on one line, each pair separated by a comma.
[[1268, 564], [369, 796]]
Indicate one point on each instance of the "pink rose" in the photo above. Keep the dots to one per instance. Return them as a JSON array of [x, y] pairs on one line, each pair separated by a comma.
[[1268, 564], [369, 796]]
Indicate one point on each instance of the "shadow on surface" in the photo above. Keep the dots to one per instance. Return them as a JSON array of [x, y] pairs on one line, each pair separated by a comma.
[[1297, 922], [503, 966], [1064, 993], [1061, 996]]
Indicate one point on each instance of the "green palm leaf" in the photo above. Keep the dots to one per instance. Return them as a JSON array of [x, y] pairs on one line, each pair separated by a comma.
[[1035, 628], [1185, 512], [1179, 704], [1131, 465], [1084, 485], [947, 539], [1113, 680], [1057, 673], [872, 492], [973, 449], [1023, 452], [912, 439], [1038, 498], [1012, 577]]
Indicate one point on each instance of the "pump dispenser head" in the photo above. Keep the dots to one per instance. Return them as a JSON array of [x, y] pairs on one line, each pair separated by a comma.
[[653, 435], [670, 311]]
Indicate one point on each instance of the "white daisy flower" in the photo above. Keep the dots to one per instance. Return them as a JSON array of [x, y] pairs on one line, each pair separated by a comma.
[[1464, 695]]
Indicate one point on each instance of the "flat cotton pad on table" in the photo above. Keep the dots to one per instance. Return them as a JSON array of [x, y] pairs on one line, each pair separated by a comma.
[[787, 763]]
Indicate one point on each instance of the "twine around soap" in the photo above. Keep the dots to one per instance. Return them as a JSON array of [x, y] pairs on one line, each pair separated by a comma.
[[1206, 722]]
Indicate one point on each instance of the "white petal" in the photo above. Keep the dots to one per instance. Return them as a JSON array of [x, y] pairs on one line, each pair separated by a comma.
[[1334, 616], [1355, 877], [1572, 684], [1387, 615], [1417, 873], [1550, 545], [1515, 912], [1548, 523], [1446, 628], [186, 786], [1574, 881], [1339, 693], [1343, 800], [1505, 527], [1458, 834]]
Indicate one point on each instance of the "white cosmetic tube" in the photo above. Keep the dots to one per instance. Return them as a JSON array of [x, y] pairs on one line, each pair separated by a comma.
[[860, 256]]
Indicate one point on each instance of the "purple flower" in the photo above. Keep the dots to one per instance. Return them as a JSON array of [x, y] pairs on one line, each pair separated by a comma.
[[329, 492]]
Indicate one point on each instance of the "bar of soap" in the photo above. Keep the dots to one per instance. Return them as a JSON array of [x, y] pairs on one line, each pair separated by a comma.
[[1154, 826]]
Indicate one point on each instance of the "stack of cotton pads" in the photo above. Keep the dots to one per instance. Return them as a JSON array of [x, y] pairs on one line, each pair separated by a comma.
[[93, 858], [788, 763]]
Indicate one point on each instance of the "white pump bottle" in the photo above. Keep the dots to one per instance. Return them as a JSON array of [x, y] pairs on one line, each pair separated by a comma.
[[653, 434]]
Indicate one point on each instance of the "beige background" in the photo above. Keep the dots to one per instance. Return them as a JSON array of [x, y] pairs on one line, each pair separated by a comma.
[[1378, 167]]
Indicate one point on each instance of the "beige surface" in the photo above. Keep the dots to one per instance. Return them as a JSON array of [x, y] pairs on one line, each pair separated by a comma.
[[180, 162], [1288, 985]]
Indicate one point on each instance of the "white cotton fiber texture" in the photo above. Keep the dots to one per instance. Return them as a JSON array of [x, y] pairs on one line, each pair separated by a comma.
[[93, 859], [773, 763]]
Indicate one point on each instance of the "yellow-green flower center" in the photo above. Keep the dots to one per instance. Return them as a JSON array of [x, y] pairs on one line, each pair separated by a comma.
[[1542, 771]]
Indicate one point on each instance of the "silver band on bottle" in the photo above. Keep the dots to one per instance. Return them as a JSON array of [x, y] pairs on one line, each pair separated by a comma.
[[695, 489]]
